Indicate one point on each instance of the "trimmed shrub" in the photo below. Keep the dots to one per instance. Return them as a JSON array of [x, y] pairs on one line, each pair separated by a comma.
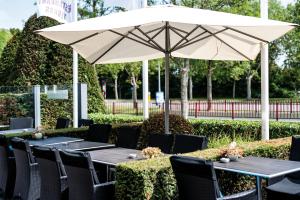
[[220, 132], [114, 119], [154, 179], [156, 125]]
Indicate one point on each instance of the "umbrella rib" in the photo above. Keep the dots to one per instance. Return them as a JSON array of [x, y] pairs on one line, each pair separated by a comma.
[[227, 44], [156, 34], [251, 36], [156, 29], [149, 38], [110, 48], [185, 37], [82, 39], [178, 29], [130, 38], [200, 39], [177, 33]]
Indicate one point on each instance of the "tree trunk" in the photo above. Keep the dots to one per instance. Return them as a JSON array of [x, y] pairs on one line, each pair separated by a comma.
[[249, 80], [233, 89], [134, 88], [116, 88], [191, 87], [209, 84], [184, 88]]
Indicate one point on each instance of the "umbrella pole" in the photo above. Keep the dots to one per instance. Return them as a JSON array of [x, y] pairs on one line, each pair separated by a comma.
[[167, 73]]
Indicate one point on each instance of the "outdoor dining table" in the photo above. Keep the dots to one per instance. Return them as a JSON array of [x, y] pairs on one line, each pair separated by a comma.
[[53, 141], [82, 146], [261, 168], [23, 130], [113, 156]]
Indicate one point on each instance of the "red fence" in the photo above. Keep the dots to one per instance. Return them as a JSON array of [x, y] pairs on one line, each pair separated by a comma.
[[279, 109]]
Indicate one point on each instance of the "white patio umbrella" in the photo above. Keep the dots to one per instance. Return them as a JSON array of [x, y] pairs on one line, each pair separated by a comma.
[[164, 31]]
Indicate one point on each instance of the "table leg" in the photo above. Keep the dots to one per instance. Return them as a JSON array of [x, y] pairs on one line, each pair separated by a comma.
[[258, 187]]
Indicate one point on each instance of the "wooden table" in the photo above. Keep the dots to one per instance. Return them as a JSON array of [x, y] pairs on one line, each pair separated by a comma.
[[53, 141], [261, 168]]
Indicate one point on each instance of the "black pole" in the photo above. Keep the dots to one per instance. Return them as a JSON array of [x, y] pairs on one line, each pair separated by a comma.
[[167, 73]]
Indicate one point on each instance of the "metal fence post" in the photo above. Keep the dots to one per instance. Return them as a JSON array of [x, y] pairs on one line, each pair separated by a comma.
[[277, 111], [113, 108], [232, 110], [37, 105]]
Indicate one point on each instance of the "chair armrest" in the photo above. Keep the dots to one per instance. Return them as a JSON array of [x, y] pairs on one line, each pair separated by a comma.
[[247, 195], [105, 191]]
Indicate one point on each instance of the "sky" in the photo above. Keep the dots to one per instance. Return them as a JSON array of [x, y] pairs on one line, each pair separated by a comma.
[[13, 13]]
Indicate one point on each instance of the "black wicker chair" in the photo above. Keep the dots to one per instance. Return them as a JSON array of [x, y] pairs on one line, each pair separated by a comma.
[[27, 186], [196, 179], [99, 133], [82, 179], [189, 143], [53, 176], [62, 123], [20, 123], [85, 122], [162, 141], [7, 169], [289, 187], [127, 137]]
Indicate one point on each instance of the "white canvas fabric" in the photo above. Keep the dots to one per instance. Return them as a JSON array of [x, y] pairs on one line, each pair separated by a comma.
[[194, 33]]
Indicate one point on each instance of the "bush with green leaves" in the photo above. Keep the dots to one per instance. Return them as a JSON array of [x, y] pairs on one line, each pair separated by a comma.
[[114, 119], [156, 125]]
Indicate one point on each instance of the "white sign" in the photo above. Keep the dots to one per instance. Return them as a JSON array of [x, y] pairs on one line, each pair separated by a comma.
[[126, 4], [57, 94], [60, 10], [160, 97]]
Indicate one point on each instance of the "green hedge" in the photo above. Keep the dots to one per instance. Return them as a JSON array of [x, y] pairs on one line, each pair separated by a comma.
[[114, 119], [220, 132], [154, 179]]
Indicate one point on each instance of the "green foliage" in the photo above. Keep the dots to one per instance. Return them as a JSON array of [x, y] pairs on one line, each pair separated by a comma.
[[155, 125], [114, 119], [30, 59], [5, 36], [154, 179], [15, 106], [221, 132]]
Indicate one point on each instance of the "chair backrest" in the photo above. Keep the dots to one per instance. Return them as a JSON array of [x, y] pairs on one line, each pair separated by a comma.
[[51, 171], [189, 143], [24, 159], [99, 132], [62, 123], [81, 174], [196, 178], [3, 162], [85, 122], [295, 155], [20, 123], [127, 137], [7, 168], [162, 141]]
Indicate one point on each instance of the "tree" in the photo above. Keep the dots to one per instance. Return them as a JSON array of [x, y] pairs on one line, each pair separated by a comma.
[[113, 71], [134, 71], [236, 72], [5, 36]]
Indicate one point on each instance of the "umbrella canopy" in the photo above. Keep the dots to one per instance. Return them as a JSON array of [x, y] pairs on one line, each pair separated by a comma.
[[164, 31]]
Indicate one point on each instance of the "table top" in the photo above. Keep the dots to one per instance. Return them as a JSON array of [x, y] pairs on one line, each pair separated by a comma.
[[258, 166], [82, 146], [17, 130], [114, 156], [53, 141]]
